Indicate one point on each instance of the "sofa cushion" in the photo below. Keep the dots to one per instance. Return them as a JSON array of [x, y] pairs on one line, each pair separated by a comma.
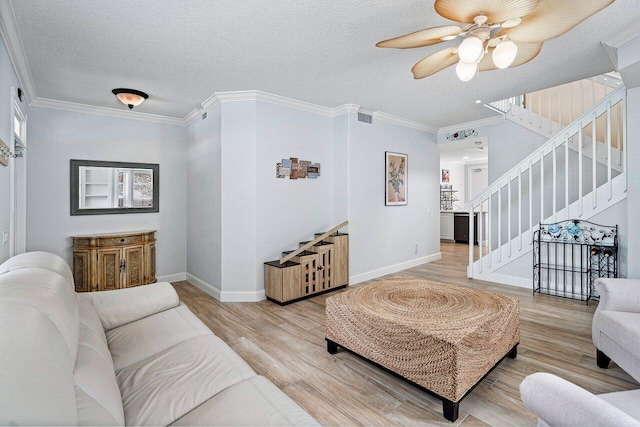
[[97, 393], [627, 401], [252, 402], [621, 327], [36, 384], [146, 337], [45, 260], [121, 306], [48, 293], [164, 387]]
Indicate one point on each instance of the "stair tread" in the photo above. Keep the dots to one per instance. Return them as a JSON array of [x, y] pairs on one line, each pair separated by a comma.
[[303, 253], [320, 243], [276, 263]]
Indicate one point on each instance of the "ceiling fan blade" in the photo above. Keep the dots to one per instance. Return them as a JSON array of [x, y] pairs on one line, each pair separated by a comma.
[[553, 18], [526, 52], [435, 62], [495, 10], [421, 38]]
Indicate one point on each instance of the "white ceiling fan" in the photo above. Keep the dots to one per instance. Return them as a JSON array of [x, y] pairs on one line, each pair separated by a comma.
[[511, 31]]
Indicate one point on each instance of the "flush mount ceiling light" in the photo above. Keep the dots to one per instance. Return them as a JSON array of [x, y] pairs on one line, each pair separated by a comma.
[[130, 97], [512, 31]]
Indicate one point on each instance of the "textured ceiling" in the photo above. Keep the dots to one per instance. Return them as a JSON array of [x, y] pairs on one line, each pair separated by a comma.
[[181, 52]]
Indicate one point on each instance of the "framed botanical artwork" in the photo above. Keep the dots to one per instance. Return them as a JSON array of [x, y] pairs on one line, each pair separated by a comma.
[[445, 175], [396, 179]]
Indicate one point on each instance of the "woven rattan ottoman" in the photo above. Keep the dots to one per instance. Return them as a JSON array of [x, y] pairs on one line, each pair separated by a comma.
[[443, 338]]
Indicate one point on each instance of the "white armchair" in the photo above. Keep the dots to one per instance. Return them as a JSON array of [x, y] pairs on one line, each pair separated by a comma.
[[558, 402], [616, 324]]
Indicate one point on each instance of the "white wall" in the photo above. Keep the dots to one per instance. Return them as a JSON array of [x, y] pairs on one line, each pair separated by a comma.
[[8, 79], [291, 211], [509, 143], [204, 207], [261, 215], [239, 207], [57, 136], [633, 191], [383, 238], [341, 125], [240, 214]]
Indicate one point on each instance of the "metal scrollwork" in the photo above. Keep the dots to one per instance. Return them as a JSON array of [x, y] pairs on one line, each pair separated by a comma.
[[578, 231], [461, 134]]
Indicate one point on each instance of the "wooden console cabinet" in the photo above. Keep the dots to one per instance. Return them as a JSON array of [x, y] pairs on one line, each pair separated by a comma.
[[103, 262], [318, 266]]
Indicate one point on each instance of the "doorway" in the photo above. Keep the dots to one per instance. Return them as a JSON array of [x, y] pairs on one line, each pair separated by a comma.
[[477, 179]]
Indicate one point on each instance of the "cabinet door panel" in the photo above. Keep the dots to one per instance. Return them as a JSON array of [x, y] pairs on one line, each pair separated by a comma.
[[150, 263], [134, 266], [446, 226], [81, 271], [109, 269]]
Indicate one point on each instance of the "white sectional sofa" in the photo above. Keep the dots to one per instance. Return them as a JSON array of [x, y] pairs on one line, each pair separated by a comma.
[[127, 357]]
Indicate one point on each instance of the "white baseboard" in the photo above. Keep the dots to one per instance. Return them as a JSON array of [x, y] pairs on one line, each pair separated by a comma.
[[225, 296], [172, 277], [363, 277], [201, 284], [242, 296], [519, 282]]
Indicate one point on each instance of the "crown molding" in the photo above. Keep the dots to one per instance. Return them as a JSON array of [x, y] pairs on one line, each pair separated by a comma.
[[390, 118], [231, 96], [105, 111], [193, 116], [623, 35], [294, 103], [258, 95], [13, 42], [344, 109], [208, 104], [475, 123]]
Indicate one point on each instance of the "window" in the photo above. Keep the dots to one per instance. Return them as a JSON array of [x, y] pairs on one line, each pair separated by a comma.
[[19, 129]]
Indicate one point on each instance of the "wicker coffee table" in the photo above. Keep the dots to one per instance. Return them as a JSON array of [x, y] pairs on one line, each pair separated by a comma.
[[442, 338]]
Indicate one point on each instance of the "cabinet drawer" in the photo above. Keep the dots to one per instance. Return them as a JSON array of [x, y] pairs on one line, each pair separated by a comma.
[[119, 241]]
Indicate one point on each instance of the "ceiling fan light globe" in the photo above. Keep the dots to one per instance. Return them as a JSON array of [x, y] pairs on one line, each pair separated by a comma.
[[465, 71], [470, 50], [504, 54]]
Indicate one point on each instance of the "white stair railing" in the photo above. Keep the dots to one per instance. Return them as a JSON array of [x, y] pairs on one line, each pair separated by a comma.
[[549, 110], [553, 183]]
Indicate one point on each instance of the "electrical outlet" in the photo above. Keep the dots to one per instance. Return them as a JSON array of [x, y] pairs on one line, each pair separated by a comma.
[[5, 237], [428, 211], [417, 249]]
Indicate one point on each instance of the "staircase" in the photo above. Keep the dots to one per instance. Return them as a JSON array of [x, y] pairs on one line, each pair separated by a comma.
[[579, 172], [548, 111]]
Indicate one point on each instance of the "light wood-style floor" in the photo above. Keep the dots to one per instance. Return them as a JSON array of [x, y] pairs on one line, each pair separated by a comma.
[[286, 344]]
